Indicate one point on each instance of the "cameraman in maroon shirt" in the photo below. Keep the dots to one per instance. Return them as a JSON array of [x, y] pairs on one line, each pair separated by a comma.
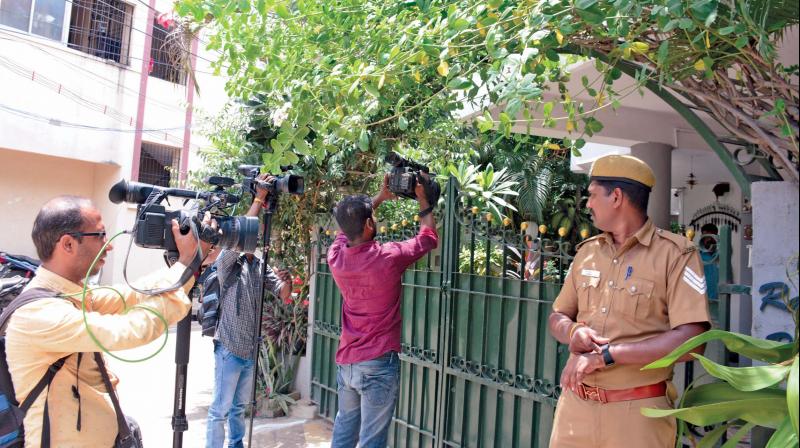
[[369, 277]]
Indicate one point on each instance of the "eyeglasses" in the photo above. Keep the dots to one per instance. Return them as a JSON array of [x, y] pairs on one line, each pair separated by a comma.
[[101, 234]]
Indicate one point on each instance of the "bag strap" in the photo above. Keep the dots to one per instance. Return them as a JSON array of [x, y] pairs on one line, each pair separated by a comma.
[[125, 437], [26, 297], [29, 296]]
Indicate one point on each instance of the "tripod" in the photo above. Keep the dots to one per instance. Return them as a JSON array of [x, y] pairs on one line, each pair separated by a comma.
[[179, 422], [271, 205]]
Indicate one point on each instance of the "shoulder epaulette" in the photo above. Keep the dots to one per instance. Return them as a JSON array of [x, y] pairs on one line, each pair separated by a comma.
[[594, 238], [683, 243]]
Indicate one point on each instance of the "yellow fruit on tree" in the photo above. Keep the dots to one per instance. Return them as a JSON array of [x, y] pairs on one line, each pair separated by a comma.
[[443, 69], [584, 233], [562, 232], [506, 222], [542, 229], [524, 226], [474, 210]]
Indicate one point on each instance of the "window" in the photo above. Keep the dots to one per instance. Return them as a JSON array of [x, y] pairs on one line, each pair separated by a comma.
[[101, 28], [158, 164], [41, 17], [162, 55]]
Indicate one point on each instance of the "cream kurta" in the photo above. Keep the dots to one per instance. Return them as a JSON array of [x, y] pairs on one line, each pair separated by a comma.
[[40, 333]]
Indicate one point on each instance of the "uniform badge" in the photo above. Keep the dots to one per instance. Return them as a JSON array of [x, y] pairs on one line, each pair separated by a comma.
[[695, 281]]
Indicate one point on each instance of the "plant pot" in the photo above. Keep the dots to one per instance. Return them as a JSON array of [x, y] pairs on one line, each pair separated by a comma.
[[271, 408]]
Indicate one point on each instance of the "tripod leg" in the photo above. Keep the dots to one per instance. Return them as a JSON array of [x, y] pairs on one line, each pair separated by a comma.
[[179, 422]]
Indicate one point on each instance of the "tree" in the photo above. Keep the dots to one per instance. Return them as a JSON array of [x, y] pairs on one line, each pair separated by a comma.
[[361, 72]]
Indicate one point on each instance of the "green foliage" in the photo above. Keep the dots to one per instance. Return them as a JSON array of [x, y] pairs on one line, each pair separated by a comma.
[[487, 189], [355, 73]]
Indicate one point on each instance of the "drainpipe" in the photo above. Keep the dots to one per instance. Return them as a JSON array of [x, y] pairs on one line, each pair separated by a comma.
[[143, 77], [187, 128]]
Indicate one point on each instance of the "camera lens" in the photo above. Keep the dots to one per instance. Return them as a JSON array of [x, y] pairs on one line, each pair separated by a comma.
[[290, 184], [239, 233]]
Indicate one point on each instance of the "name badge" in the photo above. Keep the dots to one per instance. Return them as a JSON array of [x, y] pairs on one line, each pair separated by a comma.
[[590, 273]]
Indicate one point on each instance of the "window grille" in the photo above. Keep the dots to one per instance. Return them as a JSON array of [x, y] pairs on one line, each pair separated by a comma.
[[159, 164], [101, 28]]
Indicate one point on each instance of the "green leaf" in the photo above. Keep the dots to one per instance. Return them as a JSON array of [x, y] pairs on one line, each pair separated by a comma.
[[733, 442], [663, 52], [720, 391], [746, 378], [784, 436], [363, 140], [767, 412], [791, 392], [753, 348], [741, 42], [459, 83], [585, 4], [711, 438], [372, 90], [547, 109], [402, 123], [282, 11]]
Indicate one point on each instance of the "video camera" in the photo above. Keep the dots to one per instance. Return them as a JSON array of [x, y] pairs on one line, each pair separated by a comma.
[[286, 183], [405, 175], [153, 227]]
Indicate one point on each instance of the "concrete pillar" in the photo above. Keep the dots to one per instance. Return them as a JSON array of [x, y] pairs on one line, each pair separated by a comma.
[[659, 157]]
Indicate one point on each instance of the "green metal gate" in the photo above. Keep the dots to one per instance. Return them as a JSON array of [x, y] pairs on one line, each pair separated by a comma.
[[477, 365]]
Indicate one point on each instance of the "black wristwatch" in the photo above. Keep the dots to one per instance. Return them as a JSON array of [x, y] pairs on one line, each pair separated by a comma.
[[606, 352]]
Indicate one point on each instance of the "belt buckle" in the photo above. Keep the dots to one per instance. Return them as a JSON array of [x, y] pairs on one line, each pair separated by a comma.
[[592, 393]]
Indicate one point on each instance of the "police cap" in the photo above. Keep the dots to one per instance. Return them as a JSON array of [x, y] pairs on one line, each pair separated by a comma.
[[623, 168]]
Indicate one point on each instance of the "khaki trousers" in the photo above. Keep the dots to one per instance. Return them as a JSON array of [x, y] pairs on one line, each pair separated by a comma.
[[584, 424]]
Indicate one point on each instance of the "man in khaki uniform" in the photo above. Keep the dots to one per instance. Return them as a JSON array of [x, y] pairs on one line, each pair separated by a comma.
[[633, 294]]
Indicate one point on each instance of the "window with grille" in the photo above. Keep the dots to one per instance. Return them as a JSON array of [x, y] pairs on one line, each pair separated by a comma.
[[161, 56], [158, 164], [101, 28]]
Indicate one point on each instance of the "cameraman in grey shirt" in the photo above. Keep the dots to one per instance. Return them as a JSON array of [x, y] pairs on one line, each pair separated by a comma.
[[240, 280]]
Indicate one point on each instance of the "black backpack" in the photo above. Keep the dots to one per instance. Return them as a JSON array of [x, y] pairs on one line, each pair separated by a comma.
[[12, 413], [211, 307]]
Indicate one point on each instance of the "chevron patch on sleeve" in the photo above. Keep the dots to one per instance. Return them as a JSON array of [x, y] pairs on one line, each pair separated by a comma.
[[695, 281]]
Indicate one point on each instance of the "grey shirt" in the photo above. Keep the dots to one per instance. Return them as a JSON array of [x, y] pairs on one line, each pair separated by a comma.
[[239, 304]]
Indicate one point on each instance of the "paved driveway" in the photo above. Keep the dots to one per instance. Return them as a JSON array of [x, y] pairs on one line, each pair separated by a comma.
[[146, 392]]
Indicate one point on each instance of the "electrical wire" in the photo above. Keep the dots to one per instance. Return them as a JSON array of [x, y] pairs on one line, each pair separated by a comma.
[[125, 308], [58, 122], [80, 100]]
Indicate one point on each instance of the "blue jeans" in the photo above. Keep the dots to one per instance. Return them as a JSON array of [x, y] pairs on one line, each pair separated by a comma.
[[368, 394], [233, 388]]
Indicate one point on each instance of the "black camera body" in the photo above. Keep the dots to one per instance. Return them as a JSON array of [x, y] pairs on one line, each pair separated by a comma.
[[285, 183], [153, 229], [405, 175]]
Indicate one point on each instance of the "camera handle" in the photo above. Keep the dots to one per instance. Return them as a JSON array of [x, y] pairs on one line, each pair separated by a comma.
[[270, 206]]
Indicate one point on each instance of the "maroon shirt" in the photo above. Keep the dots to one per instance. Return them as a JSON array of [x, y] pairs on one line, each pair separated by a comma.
[[369, 277]]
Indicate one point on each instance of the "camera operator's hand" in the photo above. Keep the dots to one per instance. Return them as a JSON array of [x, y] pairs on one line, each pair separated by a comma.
[[286, 278], [419, 190], [261, 194], [261, 191], [188, 244], [384, 195]]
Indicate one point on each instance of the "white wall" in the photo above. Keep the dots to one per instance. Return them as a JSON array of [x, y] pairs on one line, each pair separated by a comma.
[[775, 244], [40, 159]]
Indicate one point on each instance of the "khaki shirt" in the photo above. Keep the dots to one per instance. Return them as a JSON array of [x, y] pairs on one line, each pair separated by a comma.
[[651, 284], [40, 333]]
